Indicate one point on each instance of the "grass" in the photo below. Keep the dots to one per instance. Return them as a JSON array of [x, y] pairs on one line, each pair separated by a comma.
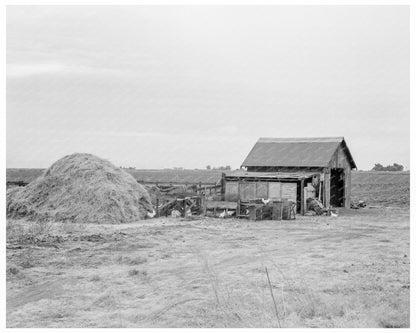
[[321, 272]]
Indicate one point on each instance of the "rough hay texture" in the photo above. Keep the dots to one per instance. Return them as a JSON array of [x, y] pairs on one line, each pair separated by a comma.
[[81, 188]]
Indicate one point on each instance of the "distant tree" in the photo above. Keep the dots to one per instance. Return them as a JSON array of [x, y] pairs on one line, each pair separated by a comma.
[[394, 167], [377, 167], [208, 167], [222, 168]]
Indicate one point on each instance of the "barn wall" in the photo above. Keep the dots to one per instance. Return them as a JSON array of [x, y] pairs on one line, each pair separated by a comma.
[[289, 191], [340, 160], [347, 187], [247, 190], [231, 191]]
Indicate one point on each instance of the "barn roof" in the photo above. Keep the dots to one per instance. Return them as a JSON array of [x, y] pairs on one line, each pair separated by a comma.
[[295, 152]]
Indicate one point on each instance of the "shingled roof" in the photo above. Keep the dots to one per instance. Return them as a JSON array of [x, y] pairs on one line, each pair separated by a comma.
[[295, 152]]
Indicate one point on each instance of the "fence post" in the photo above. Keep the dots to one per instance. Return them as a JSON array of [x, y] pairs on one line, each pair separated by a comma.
[[157, 207]]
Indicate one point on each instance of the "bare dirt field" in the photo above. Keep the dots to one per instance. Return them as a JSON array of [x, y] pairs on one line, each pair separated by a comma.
[[384, 188], [345, 271]]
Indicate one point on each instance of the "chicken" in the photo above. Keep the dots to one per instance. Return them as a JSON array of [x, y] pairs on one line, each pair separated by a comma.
[[152, 214], [222, 215]]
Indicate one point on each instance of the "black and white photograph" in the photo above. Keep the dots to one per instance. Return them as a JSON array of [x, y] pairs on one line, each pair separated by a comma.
[[207, 165]]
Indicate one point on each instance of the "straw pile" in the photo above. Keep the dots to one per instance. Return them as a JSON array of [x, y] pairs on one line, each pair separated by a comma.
[[81, 188]]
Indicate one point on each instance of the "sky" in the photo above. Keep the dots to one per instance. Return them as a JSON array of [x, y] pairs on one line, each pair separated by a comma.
[[189, 86]]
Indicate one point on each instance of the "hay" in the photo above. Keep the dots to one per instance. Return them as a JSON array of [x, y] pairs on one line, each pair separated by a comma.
[[81, 188]]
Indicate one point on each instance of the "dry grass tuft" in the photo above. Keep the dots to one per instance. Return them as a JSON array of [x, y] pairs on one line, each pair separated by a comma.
[[136, 272]]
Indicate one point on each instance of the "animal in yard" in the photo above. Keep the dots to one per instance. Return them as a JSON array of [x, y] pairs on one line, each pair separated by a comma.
[[151, 215], [265, 201]]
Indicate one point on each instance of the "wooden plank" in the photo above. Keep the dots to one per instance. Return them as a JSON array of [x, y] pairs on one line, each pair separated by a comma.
[[347, 192], [302, 197], [231, 191], [261, 190], [221, 205], [247, 191], [327, 188], [289, 191], [275, 191], [320, 191]]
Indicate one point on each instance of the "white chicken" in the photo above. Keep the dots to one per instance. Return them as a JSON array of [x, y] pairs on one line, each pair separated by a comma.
[[152, 214], [230, 213], [265, 201], [176, 213], [222, 215], [225, 214]]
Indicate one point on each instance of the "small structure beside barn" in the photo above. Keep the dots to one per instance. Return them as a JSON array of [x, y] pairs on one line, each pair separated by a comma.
[[295, 169]]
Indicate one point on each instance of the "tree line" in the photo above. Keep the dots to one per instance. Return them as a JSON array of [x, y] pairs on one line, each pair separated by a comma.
[[394, 167]]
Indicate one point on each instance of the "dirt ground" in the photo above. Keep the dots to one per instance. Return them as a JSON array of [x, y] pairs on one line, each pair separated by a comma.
[[345, 271], [381, 188]]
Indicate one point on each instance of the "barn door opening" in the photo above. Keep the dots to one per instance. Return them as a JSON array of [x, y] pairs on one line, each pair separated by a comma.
[[337, 187]]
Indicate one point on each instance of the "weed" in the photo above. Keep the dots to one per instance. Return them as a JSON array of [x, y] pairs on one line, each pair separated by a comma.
[[137, 261], [136, 272], [13, 270], [95, 278]]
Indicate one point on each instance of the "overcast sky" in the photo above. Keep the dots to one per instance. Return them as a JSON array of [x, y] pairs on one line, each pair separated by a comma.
[[160, 87]]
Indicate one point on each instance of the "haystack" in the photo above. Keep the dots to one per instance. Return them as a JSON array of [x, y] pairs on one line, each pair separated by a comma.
[[81, 188]]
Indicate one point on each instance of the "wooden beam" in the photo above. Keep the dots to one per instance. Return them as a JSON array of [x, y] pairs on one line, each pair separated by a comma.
[[302, 197]]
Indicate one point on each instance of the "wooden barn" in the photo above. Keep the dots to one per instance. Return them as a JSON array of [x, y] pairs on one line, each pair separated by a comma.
[[294, 169]]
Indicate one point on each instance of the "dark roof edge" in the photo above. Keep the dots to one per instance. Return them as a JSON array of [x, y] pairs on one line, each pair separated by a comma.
[[338, 139]]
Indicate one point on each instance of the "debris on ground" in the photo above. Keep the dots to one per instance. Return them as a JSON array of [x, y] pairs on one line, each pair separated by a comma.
[[358, 204], [315, 205], [180, 207]]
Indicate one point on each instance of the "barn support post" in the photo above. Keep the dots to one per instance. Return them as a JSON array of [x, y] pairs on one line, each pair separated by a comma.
[[327, 187], [184, 207], [223, 186], [157, 207], [302, 197], [347, 188]]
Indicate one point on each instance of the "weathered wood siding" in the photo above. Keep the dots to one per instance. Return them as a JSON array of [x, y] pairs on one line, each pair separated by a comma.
[[262, 190], [247, 191], [347, 187], [289, 191], [231, 191], [340, 160], [275, 190], [253, 190]]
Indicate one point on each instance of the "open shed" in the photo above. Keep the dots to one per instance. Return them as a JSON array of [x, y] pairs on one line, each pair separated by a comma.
[[328, 157], [245, 186]]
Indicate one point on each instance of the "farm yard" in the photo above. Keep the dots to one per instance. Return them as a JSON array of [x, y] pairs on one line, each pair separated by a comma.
[[375, 187], [202, 167], [322, 271]]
